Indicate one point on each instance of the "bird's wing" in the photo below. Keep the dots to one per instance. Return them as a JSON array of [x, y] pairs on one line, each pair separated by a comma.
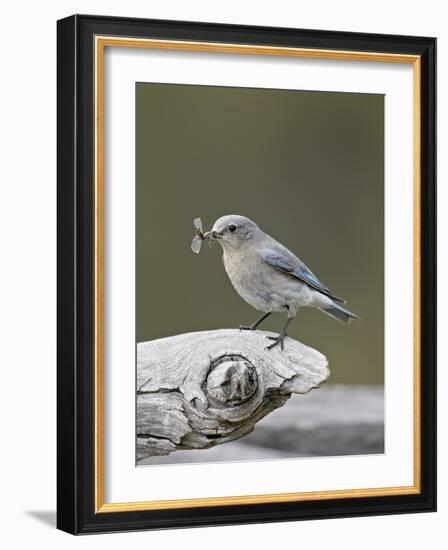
[[286, 262]]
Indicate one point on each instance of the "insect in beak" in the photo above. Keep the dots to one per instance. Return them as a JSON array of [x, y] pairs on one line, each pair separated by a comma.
[[200, 236], [212, 235]]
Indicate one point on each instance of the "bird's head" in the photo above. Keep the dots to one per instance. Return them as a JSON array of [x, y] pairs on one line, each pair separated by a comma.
[[233, 231]]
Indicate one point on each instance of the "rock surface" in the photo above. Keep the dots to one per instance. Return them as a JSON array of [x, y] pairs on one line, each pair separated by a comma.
[[335, 420]]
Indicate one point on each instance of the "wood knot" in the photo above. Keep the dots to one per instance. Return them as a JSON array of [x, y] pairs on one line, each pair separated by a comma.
[[232, 380]]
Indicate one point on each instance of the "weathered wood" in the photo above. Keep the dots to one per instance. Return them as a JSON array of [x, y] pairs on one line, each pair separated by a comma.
[[198, 390]]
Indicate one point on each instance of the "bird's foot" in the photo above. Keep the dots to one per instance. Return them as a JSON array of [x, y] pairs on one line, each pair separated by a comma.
[[248, 327], [276, 341]]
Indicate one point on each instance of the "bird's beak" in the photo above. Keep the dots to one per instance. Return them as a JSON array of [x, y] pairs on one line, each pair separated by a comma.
[[212, 235]]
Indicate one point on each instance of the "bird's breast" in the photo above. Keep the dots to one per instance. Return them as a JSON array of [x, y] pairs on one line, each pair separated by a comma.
[[249, 280], [239, 268]]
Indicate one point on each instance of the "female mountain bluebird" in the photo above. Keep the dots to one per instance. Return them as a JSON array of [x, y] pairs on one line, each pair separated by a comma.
[[270, 277]]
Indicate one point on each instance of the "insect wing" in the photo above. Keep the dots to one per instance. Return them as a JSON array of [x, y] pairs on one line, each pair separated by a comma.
[[196, 244], [198, 224]]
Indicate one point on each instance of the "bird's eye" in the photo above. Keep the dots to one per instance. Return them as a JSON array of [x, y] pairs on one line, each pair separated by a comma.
[[232, 228]]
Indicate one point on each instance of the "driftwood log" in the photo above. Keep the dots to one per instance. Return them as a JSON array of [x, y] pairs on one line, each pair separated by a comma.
[[198, 390]]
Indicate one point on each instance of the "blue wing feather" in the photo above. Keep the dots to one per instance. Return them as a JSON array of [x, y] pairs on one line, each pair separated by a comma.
[[286, 262]]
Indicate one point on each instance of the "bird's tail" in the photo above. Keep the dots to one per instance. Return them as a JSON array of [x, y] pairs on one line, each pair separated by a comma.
[[339, 312]]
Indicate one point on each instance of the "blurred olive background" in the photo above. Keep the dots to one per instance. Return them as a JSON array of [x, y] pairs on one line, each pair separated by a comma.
[[307, 167]]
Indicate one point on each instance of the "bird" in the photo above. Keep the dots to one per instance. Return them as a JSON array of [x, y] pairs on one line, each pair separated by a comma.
[[269, 277]]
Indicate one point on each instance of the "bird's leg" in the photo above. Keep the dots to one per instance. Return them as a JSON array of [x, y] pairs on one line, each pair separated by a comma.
[[281, 337], [254, 326]]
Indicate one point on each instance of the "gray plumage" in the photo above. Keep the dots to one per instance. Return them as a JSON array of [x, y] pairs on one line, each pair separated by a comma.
[[268, 276]]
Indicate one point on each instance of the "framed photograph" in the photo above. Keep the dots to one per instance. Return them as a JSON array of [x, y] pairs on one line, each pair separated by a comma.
[[294, 379]]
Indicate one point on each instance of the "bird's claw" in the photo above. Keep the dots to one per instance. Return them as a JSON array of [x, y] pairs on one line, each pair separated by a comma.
[[276, 340], [246, 327]]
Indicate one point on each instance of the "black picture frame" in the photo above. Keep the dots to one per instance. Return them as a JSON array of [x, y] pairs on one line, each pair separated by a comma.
[[76, 512]]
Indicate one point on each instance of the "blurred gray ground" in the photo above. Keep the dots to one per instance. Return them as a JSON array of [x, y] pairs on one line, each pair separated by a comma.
[[332, 420]]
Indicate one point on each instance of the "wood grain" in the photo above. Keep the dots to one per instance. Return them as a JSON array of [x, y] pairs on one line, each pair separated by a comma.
[[202, 389]]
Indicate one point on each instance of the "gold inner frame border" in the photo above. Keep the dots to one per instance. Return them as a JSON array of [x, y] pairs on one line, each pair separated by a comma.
[[100, 43]]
